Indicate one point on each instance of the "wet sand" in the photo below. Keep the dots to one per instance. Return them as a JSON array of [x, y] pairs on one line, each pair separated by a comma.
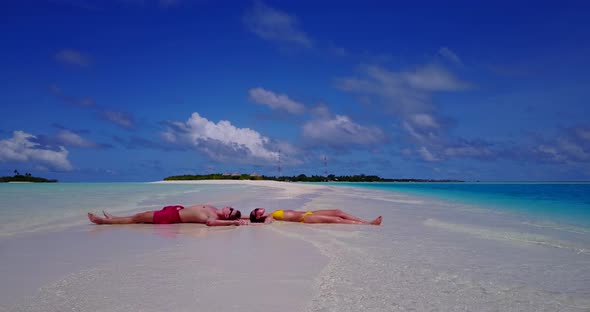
[[428, 255]]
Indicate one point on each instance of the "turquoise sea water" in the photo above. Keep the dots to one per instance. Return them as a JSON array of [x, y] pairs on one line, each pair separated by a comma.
[[32, 207], [559, 202]]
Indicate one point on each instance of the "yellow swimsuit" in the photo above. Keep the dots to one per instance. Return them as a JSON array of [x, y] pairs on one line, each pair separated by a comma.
[[307, 213], [280, 215]]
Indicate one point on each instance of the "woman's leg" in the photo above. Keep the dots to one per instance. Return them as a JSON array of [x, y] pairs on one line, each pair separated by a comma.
[[142, 217], [318, 218], [338, 213]]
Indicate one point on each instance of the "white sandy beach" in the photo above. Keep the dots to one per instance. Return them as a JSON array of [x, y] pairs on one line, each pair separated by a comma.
[[426, 256]]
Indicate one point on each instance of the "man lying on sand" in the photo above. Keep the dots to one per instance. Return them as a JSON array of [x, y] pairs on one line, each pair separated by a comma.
[[259, 215], [206, 214]]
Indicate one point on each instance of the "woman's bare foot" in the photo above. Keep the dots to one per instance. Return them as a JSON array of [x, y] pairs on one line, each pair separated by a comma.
[[377, 221], [107, 215], [95, 219]]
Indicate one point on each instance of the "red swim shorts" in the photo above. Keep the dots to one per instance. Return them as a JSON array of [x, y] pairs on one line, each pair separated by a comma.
[[168, 215]]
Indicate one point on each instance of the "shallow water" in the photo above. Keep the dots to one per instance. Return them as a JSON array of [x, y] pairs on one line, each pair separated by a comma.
[[26, 208], [557, 202], [53, 259], [441, 256], [428, 255]]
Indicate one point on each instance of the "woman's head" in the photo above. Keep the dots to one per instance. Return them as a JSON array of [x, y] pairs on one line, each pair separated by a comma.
[[257, 215]]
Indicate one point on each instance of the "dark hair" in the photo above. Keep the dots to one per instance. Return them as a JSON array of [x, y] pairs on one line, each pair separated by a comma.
[[236, 216], [253, 217]]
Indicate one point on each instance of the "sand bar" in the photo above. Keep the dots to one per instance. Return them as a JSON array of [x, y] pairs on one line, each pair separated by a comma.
[[427, 255]]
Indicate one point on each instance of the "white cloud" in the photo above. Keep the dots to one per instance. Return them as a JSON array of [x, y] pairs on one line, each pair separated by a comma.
[[427, 155], [404, 92], [583, 133], [573, 150], [275, 101], [433, 78], [22, 148], [424, 120], [321, 111], [122, 119], [85, 102], [221, 141], [550, 153], [408, 95], [72, 57], [341, 131], [70, 138], [272, 24], [468, 151], [407, 152], [572, 146], [450, 55], [421, 133]]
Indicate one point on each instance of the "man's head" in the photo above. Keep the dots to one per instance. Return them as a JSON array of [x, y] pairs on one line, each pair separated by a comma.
[[257, 215], [230, 213]]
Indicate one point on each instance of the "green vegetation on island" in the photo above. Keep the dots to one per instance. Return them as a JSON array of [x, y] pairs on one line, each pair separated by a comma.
[[27, 177], [299, 178]]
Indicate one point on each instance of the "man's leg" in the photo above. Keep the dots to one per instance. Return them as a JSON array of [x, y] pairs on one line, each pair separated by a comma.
[[142, 217]]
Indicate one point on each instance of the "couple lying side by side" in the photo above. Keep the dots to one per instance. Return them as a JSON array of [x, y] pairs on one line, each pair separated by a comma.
[[212, 216]]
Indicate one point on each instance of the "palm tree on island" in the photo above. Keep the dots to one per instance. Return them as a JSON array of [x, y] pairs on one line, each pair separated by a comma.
[[28, 177]]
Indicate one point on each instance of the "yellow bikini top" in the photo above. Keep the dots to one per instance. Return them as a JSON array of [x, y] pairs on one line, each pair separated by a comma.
[[278, 214]]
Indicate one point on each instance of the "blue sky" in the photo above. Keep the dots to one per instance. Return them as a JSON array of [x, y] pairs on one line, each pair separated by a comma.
[[136, 90]]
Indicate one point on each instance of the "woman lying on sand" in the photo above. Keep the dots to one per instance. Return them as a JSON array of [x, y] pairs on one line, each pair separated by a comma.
[[259, 215]]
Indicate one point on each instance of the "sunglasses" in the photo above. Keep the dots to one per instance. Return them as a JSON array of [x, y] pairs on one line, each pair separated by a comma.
[[230, 211]]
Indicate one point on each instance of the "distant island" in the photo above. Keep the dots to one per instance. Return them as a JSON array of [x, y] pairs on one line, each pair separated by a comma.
[[27, 177], [299, 178]]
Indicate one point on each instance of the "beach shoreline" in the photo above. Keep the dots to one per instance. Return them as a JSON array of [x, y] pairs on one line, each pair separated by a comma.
[[427, 255], [293, 188], [76, 264]]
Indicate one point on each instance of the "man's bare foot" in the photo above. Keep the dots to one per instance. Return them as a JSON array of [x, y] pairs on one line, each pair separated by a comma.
[[94, 219], [107, 215], [377, 221]]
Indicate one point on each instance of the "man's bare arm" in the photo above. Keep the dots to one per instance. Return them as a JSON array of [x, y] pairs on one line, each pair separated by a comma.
[[215, 222]]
